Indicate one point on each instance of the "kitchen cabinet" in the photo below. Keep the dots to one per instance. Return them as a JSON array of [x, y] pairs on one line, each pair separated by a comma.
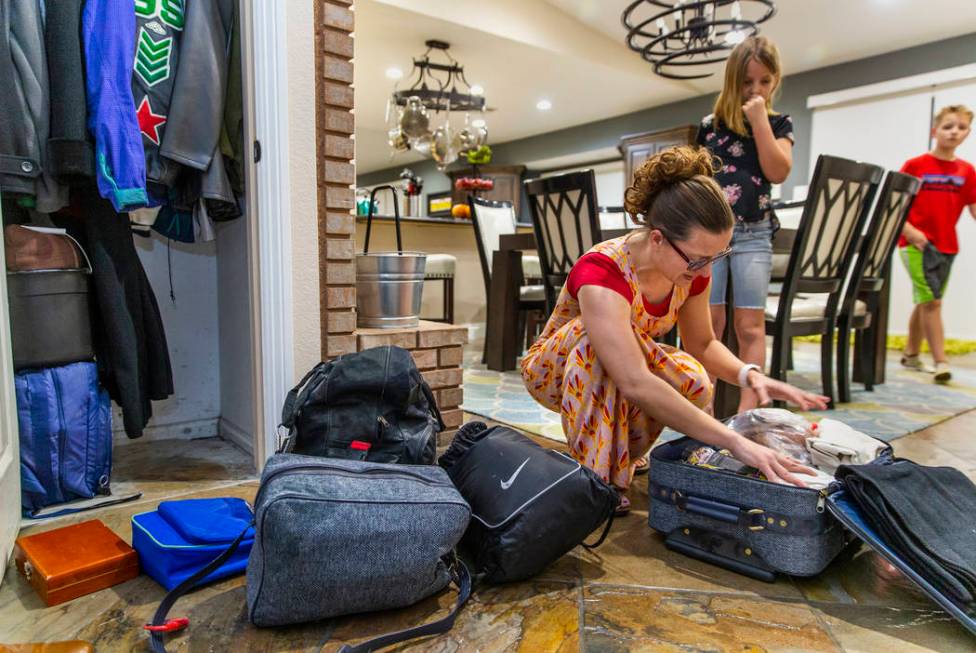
[[637, 148]]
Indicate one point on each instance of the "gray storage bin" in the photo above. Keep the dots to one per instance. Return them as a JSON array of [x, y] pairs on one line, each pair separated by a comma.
[[50, 319]]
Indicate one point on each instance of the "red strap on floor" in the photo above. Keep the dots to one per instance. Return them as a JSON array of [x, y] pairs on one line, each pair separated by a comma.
[[359, 445], [171, 625]]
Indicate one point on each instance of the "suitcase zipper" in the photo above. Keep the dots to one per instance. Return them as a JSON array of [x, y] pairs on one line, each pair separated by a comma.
[[343, 472], [62, 433]]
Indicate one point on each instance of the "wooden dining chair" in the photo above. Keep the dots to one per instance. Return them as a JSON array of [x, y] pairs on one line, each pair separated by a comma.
[[860, 308], [837, 205], [566, 220], [492, 219]]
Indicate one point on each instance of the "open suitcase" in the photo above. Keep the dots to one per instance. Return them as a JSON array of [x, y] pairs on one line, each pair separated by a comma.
[[758, 528]]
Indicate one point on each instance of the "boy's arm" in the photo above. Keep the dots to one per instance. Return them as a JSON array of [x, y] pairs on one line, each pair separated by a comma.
[[915, 236]]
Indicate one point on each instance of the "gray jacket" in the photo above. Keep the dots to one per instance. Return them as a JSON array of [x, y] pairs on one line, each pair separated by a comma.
[[25, 106]]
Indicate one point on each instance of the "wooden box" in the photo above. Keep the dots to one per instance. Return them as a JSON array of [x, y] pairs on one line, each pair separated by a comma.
[[65, 563]]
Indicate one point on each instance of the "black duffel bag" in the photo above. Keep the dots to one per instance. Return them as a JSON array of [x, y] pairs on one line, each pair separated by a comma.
[[371, 405], [529, 505]]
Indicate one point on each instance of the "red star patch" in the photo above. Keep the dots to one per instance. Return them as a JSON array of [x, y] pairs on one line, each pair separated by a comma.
[[149, 122]]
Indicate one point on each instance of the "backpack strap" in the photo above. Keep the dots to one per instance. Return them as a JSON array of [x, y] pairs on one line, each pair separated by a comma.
[[293, 405], [462, 578], [156, 639], [429, 394], [603, 536]]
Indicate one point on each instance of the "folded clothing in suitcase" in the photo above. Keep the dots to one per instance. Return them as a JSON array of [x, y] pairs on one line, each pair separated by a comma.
[[843, 506], [181, 537], [65, 425], [749, 525], [529, 505]]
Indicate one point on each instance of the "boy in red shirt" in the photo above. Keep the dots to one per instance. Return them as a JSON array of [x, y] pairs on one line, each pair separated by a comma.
[[928, 242]]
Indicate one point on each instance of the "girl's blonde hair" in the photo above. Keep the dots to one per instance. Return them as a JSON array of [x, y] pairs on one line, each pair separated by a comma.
[[728, 106]]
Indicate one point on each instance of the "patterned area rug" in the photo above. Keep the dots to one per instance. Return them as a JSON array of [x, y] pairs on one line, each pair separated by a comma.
[[907, 402]]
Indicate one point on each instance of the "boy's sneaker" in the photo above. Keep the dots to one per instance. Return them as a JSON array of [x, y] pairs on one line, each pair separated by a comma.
[[914, 363], [942, 373]]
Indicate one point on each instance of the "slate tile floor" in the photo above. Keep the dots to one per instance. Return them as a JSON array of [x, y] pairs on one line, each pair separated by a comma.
[[632, 594]]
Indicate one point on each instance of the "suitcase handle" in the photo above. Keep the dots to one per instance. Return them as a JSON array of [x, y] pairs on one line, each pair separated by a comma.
[[726, 512]]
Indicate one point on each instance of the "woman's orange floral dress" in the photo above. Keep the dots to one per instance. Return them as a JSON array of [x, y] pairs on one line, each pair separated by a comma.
[[561, 371]]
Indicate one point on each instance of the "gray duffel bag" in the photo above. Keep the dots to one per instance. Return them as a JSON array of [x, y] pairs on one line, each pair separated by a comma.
[[336, 537]]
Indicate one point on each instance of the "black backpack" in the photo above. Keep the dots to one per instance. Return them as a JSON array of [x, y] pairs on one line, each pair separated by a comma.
[[529, 505], [372, 405]]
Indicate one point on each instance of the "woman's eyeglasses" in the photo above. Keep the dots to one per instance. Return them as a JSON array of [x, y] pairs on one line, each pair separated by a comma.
[[699, 263]]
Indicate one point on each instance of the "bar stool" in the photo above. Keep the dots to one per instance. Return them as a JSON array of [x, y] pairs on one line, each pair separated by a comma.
[[440, 267]]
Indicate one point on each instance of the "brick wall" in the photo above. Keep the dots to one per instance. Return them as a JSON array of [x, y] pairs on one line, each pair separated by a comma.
[[436, 347], [335, 148]]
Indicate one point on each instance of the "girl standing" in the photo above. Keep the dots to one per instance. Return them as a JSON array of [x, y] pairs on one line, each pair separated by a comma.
[[755, 146]]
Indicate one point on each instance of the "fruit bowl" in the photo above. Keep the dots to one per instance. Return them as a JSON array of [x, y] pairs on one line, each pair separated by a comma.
[[474, 183]]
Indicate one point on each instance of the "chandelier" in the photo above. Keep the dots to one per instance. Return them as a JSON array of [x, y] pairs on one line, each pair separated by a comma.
[[436, 88], [680, 36]]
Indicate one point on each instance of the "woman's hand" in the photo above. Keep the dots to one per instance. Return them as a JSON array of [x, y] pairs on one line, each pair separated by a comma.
[[768, 389], [774, 465], [755, 110]]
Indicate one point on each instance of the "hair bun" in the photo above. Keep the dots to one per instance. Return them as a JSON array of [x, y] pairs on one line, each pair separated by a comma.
[[664, 169]]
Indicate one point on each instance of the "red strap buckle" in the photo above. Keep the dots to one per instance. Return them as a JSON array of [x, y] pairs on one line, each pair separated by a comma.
[[359, 445], [171, 625]]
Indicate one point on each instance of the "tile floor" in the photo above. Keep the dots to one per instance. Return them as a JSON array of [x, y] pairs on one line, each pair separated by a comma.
[[632, 594]]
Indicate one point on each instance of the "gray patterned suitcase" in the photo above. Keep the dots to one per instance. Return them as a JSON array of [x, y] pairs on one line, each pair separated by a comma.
[[750, 526]]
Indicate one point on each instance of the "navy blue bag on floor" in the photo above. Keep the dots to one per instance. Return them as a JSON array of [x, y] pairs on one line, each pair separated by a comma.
[[182, 537], [65, 426]]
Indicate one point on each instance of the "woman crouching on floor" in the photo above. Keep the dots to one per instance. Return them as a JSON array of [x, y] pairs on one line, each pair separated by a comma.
[[597, 361]]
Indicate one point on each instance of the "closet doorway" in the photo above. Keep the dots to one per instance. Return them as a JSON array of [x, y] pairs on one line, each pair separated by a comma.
[[225, 303]]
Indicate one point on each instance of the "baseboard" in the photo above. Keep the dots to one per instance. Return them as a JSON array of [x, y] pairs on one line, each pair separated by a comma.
[[189, 430], [235, 434]]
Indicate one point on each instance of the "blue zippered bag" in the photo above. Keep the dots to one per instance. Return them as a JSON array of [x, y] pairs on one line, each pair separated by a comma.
[[180, 538]]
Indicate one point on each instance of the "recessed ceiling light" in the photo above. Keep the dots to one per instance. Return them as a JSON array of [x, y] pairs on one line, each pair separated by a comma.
[[477, 89], [543, 105], [394, 73], [478, 123]]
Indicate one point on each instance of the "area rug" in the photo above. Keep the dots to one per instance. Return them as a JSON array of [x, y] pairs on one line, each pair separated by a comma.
[[907, 402]]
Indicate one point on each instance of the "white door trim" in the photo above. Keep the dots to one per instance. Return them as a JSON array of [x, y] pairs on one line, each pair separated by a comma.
[[894, 86], [264, 35]]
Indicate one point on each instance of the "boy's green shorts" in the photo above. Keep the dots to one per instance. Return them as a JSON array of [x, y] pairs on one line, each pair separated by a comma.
[[928, 270]]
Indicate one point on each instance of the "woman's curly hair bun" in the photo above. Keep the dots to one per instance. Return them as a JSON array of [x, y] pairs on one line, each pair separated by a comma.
[[681, 178], [665, 168]]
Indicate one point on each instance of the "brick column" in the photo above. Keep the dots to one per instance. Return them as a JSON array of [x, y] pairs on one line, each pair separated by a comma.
[[335, 148], [436, 347]]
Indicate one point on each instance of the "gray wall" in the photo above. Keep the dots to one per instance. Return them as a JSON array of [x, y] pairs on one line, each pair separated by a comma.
[[793, 98]]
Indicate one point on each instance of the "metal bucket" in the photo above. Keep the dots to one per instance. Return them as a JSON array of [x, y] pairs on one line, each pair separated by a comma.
[[389, 285]]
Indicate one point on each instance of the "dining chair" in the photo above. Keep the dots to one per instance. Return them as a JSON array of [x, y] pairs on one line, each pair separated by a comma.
[[566, 220], [834, 213], [868, 278], [492, 219]]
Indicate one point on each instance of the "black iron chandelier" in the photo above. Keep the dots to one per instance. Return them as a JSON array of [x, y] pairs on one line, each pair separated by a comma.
[[440, 86], [680, 36], [434, 88]]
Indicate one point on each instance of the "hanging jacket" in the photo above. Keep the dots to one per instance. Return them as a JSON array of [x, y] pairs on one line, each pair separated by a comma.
[[69, 146], [108, 31], [25, 107], [130, 340], [159, 36]]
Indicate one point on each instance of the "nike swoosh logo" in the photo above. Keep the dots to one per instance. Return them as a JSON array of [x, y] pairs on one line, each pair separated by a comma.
[[507, 484]]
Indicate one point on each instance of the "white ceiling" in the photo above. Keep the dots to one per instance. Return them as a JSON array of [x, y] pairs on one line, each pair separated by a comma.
[[572, 53]]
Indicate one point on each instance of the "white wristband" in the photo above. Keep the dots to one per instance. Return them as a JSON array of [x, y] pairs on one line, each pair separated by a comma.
[[744, 374]]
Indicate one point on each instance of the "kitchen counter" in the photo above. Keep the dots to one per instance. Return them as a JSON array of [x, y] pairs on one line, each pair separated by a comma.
[[424, 219]]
